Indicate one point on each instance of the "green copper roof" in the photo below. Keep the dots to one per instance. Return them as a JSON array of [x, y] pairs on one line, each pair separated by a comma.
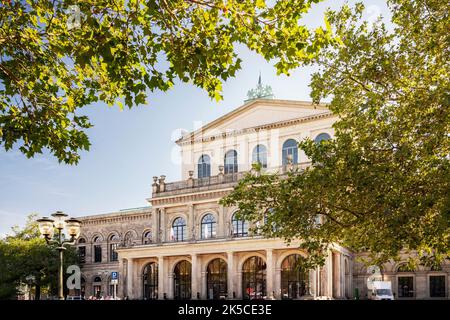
[[260, 92]]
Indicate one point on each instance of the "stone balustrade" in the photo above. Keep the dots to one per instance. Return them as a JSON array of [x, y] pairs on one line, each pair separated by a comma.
[[218, 181]]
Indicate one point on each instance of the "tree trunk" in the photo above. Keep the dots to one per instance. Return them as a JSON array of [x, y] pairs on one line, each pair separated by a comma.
[[37, 291]]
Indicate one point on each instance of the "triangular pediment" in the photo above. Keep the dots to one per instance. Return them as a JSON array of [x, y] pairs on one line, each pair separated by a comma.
[[258, 113]]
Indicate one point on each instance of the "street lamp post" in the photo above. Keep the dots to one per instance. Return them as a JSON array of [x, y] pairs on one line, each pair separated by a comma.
[[61, 223]]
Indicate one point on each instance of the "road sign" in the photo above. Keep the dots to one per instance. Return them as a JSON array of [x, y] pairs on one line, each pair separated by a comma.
[[114, 275], [114, 281]]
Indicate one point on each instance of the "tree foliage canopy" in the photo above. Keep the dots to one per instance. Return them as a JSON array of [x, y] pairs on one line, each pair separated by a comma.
[[25, 253], [124, 49], [382, 184]]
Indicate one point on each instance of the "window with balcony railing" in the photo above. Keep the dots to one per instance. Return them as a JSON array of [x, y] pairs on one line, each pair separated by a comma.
[[179, 230], [204, 167], [231, 162], [208, 226]]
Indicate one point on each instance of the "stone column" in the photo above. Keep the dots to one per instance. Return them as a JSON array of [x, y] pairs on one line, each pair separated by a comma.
[[330, 278], [204, 289], [161, 276], [120, 285], [89, 252], [277, 286], [163, 227], [230, 274], [222, 225], [130, 275], [239, 285], [105, 251], [317, 282], [269, 273], [191, 222], [312, 282], [155, 227], [170, 289], [194, 275], [350, 269], [342, 275]]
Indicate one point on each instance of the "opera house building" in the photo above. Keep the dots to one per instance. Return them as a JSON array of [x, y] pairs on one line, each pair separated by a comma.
[[185, 245]]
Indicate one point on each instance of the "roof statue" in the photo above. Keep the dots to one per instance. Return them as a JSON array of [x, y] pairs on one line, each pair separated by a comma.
[[260, 92]]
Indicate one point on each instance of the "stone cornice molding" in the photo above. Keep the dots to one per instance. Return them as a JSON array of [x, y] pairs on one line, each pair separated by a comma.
[[190, 139], [189, 197], [114, 218]]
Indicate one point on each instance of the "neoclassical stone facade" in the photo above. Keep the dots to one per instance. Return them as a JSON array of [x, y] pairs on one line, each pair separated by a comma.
[[185, 245]]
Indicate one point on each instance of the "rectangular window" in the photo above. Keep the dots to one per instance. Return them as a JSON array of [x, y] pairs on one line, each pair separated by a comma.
[[437, 286], [97, 253], [82, 254], [406, 287], [113, 256]]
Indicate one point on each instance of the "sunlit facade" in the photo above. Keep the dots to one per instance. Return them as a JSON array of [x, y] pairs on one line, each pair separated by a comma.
[[185, 245]]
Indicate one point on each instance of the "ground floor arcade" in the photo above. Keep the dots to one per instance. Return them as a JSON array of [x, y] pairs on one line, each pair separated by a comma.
[[238, 269]]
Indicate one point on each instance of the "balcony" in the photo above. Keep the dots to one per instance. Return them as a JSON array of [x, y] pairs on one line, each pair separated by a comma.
[[212, 240], [221, 181]]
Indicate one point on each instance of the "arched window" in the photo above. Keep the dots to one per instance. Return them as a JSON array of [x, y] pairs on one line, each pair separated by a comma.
[[97, 287], [178, 231], [290, 149], [204, 166], [97, 249], [208, 227], [128, 240], [231, 162], [147, 237], [239, 227], [216, 282], [321, 137], [182, 280], [254, 278], [404, 268], [259, 155], [113, 245], [82, 240], [150, 281], [294, 278]]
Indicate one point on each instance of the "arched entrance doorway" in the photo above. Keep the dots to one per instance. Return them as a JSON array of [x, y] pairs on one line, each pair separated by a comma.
[[182, 280], [294, 278], [97, 287], [254, 278], [216, 283], [82, 291], [150, 281]]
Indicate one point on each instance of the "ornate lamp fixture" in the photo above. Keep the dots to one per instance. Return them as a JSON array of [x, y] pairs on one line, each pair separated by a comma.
[[64, 226]]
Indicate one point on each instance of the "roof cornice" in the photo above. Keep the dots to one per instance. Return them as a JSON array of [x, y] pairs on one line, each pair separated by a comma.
[[117, 215], [269, 126], [267, 102]]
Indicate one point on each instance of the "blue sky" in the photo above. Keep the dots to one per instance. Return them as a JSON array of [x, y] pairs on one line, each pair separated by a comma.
[[129, 147]]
